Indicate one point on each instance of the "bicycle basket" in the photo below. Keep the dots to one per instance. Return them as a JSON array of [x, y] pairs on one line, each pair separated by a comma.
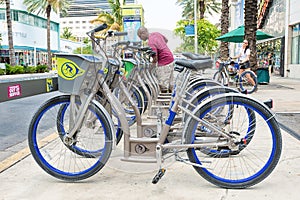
[[129, 65], [76, 72]]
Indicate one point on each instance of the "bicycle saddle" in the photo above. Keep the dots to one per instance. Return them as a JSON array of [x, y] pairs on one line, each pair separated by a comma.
[[194, 56], [195, 64]]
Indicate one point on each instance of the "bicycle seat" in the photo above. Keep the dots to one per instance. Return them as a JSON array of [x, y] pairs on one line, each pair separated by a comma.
[[195, 64], [194, 56]]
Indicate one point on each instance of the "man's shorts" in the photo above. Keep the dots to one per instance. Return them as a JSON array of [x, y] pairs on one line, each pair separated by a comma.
[[164, 75]]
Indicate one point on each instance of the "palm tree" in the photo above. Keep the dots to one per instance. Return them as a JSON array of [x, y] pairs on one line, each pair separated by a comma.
[[115, 6], [10, 35], [208, 6], [250, 20], [104, 17], [224, 50], [45, 7]]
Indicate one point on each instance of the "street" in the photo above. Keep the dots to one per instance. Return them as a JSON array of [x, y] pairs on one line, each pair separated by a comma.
[[14, 122]]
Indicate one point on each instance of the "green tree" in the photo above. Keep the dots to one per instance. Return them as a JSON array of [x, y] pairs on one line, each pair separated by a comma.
[[107, 18], [9, 33], [207, 33], [84, 50], [224, 50], [209, 6], [115, 6], [67, 34], [45, 7], [113, 19], [250, 20]]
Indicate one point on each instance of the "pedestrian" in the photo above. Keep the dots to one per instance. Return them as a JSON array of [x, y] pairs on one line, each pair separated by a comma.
[[162, 60], [244, 60], [270, 63]]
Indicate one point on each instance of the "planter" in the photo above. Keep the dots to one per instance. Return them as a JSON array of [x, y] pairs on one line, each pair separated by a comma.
[[24, 85]]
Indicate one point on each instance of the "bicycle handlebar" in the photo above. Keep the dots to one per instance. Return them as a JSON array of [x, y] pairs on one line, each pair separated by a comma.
[[126, 43], [120, 33], [99, 28]]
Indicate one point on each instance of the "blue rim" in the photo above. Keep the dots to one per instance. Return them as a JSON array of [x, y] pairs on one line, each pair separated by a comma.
[[63, 130], [41, 158], [257, 174]]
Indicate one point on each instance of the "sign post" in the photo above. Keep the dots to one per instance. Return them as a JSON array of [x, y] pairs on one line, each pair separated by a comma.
[[133, 19]]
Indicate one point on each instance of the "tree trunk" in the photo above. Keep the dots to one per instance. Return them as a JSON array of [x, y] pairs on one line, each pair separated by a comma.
[[202, 8], [12, 59], [250, 10], [224, 50], [48, 11]]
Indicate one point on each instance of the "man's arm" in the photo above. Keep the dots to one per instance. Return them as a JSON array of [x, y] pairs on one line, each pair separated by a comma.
[[154, 59], [166, 40]]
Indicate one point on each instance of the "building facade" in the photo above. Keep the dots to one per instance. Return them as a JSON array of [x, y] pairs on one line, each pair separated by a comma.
[[29, 35], [271, 19], [292, 39], [81, 12], [277, 19]]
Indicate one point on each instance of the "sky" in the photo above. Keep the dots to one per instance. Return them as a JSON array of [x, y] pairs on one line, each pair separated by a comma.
[[161, 14]]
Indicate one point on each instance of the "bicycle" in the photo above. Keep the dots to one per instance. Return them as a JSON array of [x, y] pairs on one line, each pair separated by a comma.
[[242, 80], [212, 140]]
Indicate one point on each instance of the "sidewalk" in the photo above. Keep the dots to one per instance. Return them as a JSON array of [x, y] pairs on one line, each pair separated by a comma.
[[284, 91], [26, 180]]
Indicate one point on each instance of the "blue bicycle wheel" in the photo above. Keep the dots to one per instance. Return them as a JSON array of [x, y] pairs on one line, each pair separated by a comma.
[[74, 158], [251, 154]]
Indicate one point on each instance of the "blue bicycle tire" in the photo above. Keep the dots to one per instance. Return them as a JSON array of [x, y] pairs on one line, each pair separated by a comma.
[[50, 152]]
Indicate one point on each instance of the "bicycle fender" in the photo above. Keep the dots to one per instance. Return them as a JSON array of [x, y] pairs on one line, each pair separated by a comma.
[[192, 116], [111, 124]]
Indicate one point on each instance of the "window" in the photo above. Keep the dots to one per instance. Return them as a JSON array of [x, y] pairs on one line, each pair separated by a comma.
[[31, 20], [2, 15], [296, 44], [15, 16], [54, 26], [23, 17]]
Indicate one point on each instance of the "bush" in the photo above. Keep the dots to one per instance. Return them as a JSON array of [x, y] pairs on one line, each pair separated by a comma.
[[18, 69], [15, 69], [2, 71], [42, 68], [30, 69]]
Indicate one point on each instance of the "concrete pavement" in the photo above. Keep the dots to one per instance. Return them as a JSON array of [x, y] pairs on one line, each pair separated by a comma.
[[24, 179]]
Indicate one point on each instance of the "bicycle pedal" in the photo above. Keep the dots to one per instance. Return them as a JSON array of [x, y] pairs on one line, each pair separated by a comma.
[[158, 176]]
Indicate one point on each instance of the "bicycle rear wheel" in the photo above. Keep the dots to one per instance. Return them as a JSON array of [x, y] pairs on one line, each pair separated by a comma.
[[138, 99], [245, 159], [84, 155]]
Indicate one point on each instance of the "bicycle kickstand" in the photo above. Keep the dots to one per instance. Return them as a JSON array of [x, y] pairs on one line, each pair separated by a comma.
[[161, 171]]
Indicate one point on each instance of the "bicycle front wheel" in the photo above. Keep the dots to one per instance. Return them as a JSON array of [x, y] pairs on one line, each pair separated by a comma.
[[81, 156], [247, 82], [247, 156]]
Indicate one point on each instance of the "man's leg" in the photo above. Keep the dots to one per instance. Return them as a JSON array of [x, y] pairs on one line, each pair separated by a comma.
[[164, 76]]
